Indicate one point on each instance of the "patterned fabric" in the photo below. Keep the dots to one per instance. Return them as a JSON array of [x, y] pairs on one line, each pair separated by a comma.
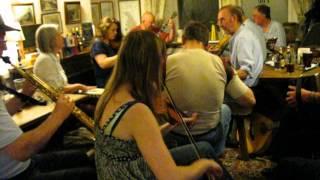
[[116, 158]]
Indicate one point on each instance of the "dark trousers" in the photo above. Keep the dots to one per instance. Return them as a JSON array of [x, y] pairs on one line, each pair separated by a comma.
[[297, 168], [67, 164]]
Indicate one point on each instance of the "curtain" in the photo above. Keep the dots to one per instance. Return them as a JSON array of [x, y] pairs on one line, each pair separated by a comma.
[[301, 7], [227, 2], [156, 7]]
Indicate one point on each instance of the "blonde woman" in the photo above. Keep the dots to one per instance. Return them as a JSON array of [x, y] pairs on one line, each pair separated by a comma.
[[47, 66], [102, 53]]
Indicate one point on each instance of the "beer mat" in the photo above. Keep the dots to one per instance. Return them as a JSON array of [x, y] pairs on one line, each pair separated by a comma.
[[270, 63], [214, 42], [94, 92], [311, 67]]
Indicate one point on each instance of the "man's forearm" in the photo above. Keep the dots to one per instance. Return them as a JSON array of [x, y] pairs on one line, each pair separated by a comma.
[[32, 141], [314, 97]]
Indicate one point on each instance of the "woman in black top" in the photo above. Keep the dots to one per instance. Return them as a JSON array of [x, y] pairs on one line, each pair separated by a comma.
[[102, 53]]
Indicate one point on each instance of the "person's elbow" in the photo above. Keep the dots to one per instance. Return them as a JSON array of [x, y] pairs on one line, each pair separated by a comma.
[[251, 101], [248, 99]]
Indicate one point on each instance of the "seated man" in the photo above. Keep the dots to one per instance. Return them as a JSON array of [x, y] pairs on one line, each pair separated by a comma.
[[147, 23], [271, 28], [18, 149], [246, 51], [298, 155], [197, 81]]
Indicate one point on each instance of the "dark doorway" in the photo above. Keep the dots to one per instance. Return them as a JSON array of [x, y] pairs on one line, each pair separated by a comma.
[[205, 11]]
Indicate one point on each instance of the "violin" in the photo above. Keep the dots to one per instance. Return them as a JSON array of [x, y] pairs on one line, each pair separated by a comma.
[[172, 115]]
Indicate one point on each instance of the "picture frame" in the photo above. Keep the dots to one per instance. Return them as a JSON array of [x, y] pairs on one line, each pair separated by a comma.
[[29, 31], [24, 13], [48, 5], [130, 14], [107, 9], [52, 18], [72, 12], [96, 13]]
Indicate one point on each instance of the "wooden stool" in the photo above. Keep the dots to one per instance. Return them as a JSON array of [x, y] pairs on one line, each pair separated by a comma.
[[244, 155]]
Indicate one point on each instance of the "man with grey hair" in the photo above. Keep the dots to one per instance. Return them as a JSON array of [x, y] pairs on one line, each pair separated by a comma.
[[18, 158], [271, 28], [246, 50]]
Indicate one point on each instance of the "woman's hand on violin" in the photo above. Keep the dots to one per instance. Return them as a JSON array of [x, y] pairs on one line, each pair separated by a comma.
[[190, 120], [205, 167], [214, 170]]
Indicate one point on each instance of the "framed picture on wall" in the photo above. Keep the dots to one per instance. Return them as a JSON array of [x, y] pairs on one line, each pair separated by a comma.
[[129, 13], [52, 18], [24, 13], [107, 9], [48, 5], [96, 13], [72, 12]]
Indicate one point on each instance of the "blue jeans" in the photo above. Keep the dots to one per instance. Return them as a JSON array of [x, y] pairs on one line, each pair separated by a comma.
[[216, 137]]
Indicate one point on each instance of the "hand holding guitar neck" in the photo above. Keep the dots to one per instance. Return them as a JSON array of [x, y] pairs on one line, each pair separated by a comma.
[[169, 23]]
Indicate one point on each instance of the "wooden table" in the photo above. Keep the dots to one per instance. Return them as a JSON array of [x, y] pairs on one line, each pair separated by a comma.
[[269, 72], [33, 113]]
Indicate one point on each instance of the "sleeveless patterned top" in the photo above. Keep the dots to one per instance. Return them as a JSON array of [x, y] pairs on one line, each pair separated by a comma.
[[118, 159]]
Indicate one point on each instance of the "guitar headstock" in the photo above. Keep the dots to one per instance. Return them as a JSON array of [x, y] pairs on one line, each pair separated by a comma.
[[6, 59]]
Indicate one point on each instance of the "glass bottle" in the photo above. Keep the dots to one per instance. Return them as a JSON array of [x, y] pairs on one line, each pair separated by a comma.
[[282, 58], [289, 60]]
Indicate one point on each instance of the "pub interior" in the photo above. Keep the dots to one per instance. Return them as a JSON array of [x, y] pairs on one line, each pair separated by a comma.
[[159, 89]]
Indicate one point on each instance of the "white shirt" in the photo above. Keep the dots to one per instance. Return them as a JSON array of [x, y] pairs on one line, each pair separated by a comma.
[[9, 132], [276, 30], [48, 68], [257, 30]]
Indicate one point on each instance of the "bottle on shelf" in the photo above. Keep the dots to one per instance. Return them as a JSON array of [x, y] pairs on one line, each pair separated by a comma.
[[289, 60], [282, 58]]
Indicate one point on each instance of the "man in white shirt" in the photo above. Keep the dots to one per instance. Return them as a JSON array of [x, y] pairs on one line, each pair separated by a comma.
[[17, 148], [271, 28], [246, 50]]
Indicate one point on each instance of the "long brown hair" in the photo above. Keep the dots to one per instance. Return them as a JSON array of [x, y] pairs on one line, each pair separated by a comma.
[[140, 64]]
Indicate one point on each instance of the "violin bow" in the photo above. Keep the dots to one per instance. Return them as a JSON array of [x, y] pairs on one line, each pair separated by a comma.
[[184, 125]]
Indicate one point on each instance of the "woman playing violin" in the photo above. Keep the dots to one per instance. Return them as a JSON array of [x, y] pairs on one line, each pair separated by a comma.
[[129, 144]]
